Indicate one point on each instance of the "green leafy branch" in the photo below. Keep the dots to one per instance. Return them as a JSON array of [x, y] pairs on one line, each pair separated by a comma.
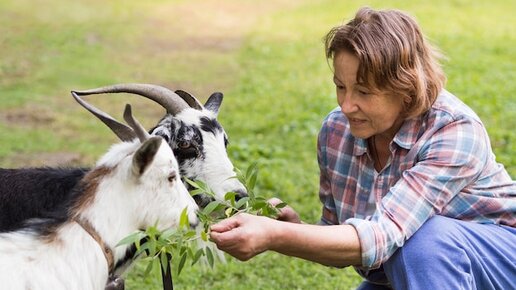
[[218, 210], [184, 241], [157, 245]]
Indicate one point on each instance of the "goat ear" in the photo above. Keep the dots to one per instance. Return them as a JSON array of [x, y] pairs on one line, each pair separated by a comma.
[[213, 102], [144, 156], [189, 99]]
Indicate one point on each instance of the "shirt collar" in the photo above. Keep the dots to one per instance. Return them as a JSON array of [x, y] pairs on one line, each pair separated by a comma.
[[408, 133], [360, 147]]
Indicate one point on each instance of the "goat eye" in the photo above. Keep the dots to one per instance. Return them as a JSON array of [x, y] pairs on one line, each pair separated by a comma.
[[183, 144], [172, 176]]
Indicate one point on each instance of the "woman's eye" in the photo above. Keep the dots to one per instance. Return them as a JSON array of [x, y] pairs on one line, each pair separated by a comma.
[[340, 87], [363, 91]]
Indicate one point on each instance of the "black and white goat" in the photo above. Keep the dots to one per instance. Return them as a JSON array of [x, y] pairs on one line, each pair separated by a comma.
[[135, 185], [191, 130]]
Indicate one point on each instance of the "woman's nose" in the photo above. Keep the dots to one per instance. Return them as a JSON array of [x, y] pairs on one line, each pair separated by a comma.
[[348, 105]]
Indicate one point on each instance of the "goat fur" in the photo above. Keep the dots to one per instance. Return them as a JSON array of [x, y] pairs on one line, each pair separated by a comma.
[[120, 195]]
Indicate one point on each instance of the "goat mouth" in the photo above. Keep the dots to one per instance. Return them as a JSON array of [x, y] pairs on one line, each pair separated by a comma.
[[202, 200]]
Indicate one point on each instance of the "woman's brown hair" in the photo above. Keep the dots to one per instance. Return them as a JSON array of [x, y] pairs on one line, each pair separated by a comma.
[[394, 56]]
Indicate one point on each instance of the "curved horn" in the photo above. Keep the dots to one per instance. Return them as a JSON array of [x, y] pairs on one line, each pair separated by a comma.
[[189, 99], [121, 130], [137, 127], [161, 95], [172, 102]]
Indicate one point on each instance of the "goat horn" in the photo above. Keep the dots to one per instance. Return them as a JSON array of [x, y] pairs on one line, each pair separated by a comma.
[[161, 95], [123, 132], [137, 127]]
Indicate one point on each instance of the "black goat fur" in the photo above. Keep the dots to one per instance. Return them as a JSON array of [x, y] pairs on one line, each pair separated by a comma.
[[28, 193], [45, 194]]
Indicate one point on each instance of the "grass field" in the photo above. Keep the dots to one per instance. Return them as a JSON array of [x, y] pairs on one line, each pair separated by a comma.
[[267, 57]]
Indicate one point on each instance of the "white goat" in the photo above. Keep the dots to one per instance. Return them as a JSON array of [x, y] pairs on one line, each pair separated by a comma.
[[133, 186]]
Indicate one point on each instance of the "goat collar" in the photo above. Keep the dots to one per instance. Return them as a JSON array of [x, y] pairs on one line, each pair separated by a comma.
[[108, 253]]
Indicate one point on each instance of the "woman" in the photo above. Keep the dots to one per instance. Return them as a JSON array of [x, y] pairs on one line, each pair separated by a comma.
[[412, 195]]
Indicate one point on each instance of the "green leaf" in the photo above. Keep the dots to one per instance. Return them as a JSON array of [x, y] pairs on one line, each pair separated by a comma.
[[183, 250], [265, 211], [183, 220], [241, 202], [230, 196], [197, 256], [259, 204], [142, 249], [209, 255], [167, 234], [149, 267], [181, 263], [237, 171], [132, 238], [152, 248], [164, 261], [251, 169], [192, 183], [189, 234], [228, 211], [196, 192], [190, 252], [211, 207], [252, 182]]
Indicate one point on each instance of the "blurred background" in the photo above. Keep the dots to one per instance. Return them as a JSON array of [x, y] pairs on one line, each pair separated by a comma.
[[267, 58]]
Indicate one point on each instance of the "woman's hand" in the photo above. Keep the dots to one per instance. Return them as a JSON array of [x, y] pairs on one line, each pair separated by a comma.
[[243, 236], [286, 214]]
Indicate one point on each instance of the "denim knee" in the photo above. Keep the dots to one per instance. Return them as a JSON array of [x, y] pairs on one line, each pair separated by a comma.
[[447, 253], [432, 249]]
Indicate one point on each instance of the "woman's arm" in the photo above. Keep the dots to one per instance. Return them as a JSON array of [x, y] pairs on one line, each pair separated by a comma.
[[245, 236]]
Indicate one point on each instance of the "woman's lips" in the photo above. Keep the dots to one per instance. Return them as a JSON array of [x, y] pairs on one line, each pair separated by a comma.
[[357, 122]]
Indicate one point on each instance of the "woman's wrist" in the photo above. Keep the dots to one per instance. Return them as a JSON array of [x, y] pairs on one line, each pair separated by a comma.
[[279, 235], [336, 246]]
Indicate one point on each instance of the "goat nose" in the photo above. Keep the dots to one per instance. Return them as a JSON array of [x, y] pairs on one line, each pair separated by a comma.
[[193, 219], [194, 224], [240, 193]]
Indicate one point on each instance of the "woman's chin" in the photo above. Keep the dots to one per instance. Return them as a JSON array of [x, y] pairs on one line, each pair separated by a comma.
[[360, 133]]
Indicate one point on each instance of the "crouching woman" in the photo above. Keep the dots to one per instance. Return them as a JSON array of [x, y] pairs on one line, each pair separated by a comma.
[[412, 195]]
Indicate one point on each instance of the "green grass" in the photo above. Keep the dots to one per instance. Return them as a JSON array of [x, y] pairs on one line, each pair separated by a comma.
[[272, 70]]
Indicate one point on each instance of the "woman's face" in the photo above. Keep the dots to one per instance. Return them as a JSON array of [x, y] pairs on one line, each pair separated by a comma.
[[369, 111]]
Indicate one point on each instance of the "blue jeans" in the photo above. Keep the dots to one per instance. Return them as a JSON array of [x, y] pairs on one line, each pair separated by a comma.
[[446, 253]]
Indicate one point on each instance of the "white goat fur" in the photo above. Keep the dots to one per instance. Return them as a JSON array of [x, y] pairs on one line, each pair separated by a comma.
[[216, 169], [124, 201]]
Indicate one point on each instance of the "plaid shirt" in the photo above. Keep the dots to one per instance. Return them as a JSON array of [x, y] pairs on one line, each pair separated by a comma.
[[441, 163]]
